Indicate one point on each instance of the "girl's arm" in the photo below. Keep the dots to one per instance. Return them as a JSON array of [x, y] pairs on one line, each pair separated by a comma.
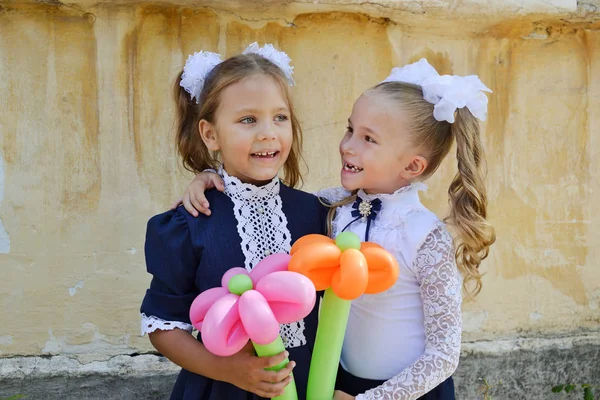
[[193, 198], [243, 369], [441, 286], [195, 201]]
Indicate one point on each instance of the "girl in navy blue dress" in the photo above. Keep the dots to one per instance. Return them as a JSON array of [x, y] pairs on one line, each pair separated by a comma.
[[236, 113]]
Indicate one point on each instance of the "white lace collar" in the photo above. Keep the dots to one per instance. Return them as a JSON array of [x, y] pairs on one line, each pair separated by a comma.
[[247, 191], [405, 196], [262, 227]]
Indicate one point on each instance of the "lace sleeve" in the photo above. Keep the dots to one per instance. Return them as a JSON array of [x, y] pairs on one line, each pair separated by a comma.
[[441, 285]]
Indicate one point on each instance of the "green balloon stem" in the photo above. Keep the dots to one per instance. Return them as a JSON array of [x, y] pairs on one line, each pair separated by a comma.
[[333, 320], [272, 349]]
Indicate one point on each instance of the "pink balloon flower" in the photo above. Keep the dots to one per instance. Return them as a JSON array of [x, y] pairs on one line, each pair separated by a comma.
[[251, 306]]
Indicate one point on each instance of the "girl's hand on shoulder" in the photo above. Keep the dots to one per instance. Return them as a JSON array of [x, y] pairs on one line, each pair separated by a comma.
[[339, 395], [247, 371], [193, 198]]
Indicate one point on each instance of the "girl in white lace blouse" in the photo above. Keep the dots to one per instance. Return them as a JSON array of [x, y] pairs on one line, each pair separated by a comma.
[[405, 343]]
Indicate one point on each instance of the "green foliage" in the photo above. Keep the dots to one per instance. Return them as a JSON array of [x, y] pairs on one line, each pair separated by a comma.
[[588, 390]]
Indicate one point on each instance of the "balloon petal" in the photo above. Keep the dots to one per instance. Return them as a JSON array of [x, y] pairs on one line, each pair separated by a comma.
[[273, 263], [222, 333], [369, 245], [350, 281], [237, 335], [321, 278], [202, 303], [257, 317], [290, 295], [313, 262], [383, 270], [307, 240]]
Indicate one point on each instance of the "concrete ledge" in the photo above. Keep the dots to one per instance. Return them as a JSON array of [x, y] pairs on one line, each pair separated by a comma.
[[66, 377], [513, 369], [528, 368]]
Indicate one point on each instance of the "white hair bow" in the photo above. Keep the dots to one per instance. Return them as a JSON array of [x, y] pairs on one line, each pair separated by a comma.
[[195, 71], [279, 58], [199, 65], [446, 92]]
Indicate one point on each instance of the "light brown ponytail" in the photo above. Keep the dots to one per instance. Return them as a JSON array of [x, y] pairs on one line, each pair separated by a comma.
[[468, 201]]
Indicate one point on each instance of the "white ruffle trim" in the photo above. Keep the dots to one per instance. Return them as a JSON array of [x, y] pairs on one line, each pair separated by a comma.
[[150, 323]]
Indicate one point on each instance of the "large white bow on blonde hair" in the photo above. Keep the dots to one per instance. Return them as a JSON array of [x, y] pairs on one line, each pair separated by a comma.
[[198, 66], [446, 92]]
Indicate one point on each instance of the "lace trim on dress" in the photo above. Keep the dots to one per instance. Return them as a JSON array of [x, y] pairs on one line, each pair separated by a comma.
[[150, 323]]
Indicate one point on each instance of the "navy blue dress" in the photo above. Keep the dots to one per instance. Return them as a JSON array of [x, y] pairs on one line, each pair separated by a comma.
[[187, 255]]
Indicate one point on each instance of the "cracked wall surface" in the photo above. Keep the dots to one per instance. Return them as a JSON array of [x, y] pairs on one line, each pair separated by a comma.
[[86, 152]]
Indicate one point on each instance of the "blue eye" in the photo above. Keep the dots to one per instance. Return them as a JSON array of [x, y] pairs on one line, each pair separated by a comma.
[[281, 118], [248, 120]]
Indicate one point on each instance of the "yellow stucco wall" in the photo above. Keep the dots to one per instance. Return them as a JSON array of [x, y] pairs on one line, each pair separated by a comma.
[[87, 156]]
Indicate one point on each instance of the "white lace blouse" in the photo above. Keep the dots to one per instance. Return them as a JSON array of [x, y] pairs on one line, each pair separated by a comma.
[[410, 335]]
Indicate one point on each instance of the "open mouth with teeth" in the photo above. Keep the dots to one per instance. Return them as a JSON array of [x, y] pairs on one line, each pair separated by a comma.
[[351, 168], [267, 154]]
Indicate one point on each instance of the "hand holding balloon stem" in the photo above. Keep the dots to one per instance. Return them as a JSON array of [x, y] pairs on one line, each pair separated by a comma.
[[239, 284], [250, 313], [252, 306], [272, 349], [254, 374], [345, 269]]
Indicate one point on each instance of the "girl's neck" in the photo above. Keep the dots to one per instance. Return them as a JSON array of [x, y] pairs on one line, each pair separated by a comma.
[[391, 190], [245, 179]]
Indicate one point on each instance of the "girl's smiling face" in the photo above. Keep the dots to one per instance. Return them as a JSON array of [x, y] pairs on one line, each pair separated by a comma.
[[377, 151], [252, 129]]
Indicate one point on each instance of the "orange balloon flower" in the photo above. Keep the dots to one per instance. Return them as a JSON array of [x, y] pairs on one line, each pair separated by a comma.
[[349, 267]]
